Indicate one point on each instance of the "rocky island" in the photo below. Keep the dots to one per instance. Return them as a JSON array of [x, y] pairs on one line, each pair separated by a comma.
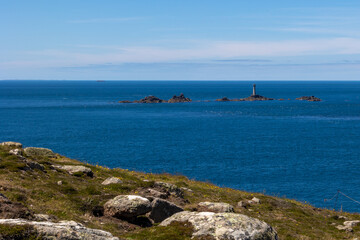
[[252, 97], [44, 195], [309, 98], [153, 99]]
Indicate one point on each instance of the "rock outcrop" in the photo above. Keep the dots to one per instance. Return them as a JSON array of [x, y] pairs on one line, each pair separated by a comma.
[[309, 98], [223, 226], [63, 230], [348, 225], [256, 98], [171, 188], [178, 99], [39, 152], [224, 99], [162, 209], [11, 144], [216, 207], [150, 99], [8, 209], [111, 180], [76, 169], [127, 206]]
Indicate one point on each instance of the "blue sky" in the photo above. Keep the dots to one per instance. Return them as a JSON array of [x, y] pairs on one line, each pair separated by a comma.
[[180, 40]]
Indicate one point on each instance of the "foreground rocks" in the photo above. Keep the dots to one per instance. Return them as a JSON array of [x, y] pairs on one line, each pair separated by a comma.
[[11, 144], [39, 152], [162, 209], [127, 206], [348, 225], [63, 230], [223, 226], [8, 209], [309, 98], [111, 180], [215, 207], [76, 169]]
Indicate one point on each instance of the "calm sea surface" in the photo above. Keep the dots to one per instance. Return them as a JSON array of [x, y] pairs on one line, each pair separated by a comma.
[[301, 150]]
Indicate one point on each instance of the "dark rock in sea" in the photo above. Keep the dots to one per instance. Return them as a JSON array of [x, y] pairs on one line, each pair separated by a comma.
[[309, 98], [125, 101], [150, 99], [256, 98], [180, 98], [224, 99]]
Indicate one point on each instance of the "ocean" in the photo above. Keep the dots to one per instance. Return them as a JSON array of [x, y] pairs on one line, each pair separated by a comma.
[[296, 149]]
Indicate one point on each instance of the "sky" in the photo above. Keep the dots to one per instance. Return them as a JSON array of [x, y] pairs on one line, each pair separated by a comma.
[[180, 40]]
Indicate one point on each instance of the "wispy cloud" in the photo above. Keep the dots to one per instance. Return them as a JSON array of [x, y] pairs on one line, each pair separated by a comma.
[[105, 20], [225, 51]]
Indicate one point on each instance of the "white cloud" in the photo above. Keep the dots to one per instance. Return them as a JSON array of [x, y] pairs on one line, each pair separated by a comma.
[[207, 51]]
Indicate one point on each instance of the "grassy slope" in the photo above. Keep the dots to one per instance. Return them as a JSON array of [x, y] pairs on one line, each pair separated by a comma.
[[78, 195]]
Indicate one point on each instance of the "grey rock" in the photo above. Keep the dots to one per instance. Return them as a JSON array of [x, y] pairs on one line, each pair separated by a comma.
[[72, 169], [34, 165], [42, 217], [59, 183], [63, 230], [17, 152], [254, 200], [127, 206], [11, 144], [39, 152], [344, 228], [162, 209], [217, 207], [171, 188], [111, 180], [154, 193], [351, 223], [224, 226], [243, 204], [186, 189]]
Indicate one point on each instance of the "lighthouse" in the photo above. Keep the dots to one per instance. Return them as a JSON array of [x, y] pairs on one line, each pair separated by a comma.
[[254, 90]]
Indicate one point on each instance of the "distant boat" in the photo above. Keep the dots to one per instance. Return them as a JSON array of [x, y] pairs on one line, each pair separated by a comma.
[[100, 80]]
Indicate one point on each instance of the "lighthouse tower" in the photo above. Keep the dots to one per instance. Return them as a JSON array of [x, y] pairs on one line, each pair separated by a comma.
[[254, 90]]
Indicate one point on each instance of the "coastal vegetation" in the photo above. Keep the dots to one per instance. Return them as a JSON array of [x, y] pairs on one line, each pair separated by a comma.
[[39, 185]]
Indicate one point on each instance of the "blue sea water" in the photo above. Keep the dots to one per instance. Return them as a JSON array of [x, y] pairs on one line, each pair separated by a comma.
[[302, 150]]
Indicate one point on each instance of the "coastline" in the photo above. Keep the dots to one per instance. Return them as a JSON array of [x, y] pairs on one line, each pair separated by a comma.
[[81, 194]]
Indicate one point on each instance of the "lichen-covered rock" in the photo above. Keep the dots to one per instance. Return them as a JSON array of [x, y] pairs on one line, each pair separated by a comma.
[[39, 152], [224, 226], [111, 180], [17, 152], [254, 200], [33, 165], [127, 206], [63, 230], [11, 144], [171, 188], [76, 169], [217, 207], [148, 193], [162, 209]]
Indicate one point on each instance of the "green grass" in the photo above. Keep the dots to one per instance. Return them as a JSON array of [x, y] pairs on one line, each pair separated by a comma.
[[79, 195]]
